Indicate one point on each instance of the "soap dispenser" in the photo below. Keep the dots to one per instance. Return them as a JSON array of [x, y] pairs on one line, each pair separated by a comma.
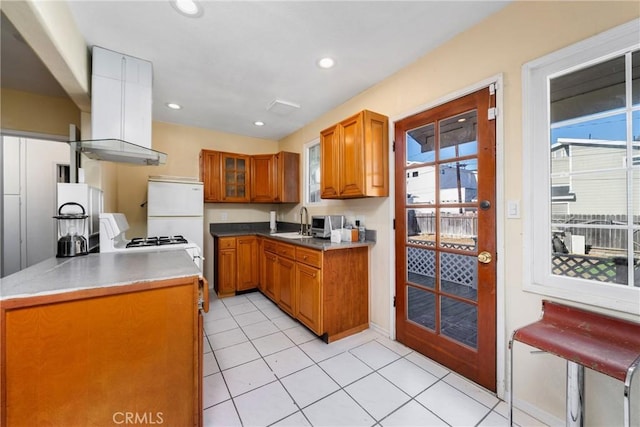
[[361, 231]]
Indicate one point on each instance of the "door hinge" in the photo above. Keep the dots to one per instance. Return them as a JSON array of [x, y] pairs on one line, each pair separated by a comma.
[[492, 113], [394, 223], [394, 301], [493, 87], [393, 146]]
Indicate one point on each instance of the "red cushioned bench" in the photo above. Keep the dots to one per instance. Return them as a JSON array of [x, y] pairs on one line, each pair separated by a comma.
[[585, 339]]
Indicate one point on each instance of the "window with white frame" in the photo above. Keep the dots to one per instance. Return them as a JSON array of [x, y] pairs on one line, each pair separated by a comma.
[[312, 172], [581, 121]]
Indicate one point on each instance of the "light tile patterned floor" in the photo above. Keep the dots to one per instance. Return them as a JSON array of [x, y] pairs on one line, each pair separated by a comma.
[[263, 368]]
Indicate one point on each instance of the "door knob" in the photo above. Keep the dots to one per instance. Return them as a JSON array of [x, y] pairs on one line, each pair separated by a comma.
[[484, 257]]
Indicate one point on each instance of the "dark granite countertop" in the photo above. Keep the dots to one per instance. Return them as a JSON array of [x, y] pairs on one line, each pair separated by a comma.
[[262, 229]]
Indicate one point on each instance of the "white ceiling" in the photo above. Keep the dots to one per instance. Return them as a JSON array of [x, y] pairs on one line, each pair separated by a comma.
[[227, 66]]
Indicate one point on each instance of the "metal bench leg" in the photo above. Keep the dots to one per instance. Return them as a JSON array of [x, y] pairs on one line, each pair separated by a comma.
[[627, 392], [575, 394], [510, 373]]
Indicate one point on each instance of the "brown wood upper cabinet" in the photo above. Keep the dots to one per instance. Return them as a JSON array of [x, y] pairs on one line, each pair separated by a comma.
[[234, 177], [210, 174], [355, 157], [263, 178], [275, 178]]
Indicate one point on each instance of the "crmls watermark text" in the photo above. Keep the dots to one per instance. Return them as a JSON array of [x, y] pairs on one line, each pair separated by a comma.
[[137, 418]]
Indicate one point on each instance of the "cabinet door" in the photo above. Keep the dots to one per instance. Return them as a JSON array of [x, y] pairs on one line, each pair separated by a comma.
[[59, 357], [226, 272], [329, 170], [376, 154], [247, 267], [235, 177], [200, 366], [210, 174], [287, 280], [270, 269], [309, 297], [264, 179], [351, 160], [355, 157], [261, 264], [288, 171]]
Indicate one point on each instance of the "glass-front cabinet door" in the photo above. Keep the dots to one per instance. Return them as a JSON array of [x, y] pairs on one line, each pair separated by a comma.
[[235, 178]]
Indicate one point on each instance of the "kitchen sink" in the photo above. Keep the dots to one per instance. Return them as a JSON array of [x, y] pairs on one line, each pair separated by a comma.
[[292, 235]]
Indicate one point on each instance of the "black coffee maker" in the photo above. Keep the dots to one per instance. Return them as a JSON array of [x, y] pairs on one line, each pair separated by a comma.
[[71, 224]]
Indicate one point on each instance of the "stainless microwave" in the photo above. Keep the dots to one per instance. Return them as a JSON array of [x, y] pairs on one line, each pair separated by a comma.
[[321, 225]]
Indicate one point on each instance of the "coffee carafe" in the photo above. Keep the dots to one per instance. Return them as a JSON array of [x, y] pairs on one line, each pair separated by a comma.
[[71, 225]]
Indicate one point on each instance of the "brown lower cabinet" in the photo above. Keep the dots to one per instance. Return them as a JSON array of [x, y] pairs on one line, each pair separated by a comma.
[[327, 291], [236, 264], [309, 292], [104, 356]]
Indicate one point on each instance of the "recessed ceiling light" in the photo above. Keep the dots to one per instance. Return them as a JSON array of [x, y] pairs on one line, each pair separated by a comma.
[[462, 119], [189, 8], [173, 106], [326, 62], [258, 123]]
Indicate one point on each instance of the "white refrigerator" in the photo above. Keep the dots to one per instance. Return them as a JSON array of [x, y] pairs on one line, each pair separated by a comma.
[[175, 206]]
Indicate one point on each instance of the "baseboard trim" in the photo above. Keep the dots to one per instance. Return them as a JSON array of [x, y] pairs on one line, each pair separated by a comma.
[[537, 413], [379, 329]]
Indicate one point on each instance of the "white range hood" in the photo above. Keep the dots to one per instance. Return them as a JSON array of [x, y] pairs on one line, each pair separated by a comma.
[[121, 104]]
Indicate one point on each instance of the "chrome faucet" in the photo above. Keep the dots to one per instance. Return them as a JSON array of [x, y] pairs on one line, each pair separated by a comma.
[[304, 226]]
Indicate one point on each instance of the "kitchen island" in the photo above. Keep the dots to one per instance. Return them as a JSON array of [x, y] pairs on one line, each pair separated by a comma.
[[102, 338]]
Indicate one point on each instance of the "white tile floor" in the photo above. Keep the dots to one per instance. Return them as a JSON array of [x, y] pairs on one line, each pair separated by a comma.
[[263, 368]]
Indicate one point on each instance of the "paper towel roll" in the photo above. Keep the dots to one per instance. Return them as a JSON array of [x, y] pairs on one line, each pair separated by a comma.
[[272, 221], [336, 236]]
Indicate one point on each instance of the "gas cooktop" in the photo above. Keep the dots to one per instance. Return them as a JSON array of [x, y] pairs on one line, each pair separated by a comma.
[[138, 242]]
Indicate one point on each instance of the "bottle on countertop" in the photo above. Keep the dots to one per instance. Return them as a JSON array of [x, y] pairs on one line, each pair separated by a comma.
[[361, 231]]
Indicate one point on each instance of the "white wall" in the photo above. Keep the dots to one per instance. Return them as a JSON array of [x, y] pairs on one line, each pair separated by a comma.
[[499, 45]]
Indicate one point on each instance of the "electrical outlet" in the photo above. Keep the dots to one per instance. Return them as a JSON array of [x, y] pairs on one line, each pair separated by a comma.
[[223, 216]]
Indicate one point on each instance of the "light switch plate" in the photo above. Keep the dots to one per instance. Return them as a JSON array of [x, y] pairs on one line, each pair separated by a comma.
[[513, 208]]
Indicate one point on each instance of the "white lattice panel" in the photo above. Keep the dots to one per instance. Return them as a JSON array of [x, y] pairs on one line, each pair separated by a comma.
[[461, 269], [421, 261]]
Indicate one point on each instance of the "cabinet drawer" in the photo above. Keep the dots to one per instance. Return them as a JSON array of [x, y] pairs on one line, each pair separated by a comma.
[[309, 256], [226, 242], [270, 246], [287, 251]]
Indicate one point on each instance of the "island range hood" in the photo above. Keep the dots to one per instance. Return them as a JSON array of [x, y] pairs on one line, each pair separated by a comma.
[[117, 150], [121, 103]]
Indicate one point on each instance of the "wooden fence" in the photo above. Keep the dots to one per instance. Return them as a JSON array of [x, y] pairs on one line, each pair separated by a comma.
[[597, 237], [451, 224], [454, 224]]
